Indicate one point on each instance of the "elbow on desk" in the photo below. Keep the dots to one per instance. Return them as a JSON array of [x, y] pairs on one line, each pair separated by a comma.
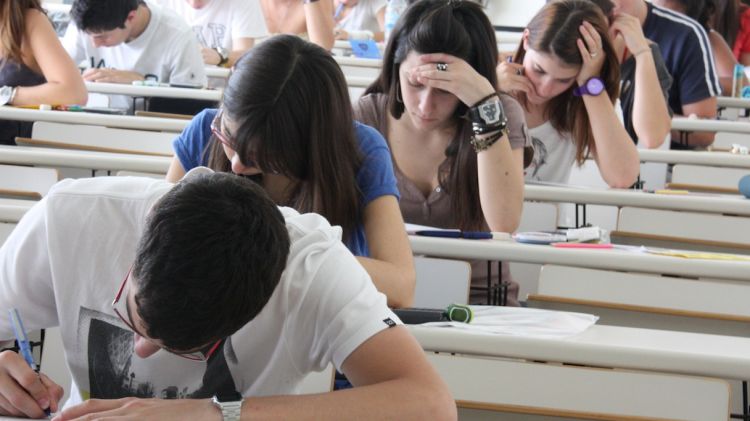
[[405, 296], [622, 180], [78, 97]]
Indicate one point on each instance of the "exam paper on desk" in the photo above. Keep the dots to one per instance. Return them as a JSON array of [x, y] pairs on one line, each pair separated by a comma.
[[521, 321]]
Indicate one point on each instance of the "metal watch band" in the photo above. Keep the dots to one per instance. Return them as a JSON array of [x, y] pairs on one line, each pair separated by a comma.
[[230, 411]]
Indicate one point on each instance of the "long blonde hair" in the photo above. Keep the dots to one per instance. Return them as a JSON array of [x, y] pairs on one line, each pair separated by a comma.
[[13, 27]]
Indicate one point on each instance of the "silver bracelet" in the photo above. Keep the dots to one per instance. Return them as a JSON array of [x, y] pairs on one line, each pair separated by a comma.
[[13, 95]]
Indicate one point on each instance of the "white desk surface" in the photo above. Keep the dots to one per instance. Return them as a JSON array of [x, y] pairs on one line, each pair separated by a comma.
[[697, 124], [726, 357], [732, 102], [154, 91], [220, 72], [607, 259], [735, 205], [358, 81], [25, 155], [359, 62], [714, 158], [11, 210], [76, 117]]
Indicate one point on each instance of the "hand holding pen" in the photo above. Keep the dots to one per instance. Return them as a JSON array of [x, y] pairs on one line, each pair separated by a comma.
[[23, 392]]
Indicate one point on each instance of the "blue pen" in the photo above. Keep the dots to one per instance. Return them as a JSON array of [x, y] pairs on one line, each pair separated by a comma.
[[471, 235], [23, 342]]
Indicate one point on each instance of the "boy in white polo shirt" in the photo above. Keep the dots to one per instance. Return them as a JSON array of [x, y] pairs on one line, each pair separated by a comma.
[[127, 40]]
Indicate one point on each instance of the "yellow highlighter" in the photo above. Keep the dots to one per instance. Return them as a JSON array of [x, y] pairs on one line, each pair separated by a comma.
[[670, 191]]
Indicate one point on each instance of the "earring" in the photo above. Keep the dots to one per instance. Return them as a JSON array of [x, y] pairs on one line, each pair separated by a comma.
[[398, 94]]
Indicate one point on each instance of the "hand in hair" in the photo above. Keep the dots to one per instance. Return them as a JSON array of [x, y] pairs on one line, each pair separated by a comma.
[[629, 27], [592, 53], [510, 78], [459, 78], [111, 76]]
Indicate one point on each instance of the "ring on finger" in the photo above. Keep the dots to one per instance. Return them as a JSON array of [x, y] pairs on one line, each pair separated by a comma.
[[442, 67], [593, 54]]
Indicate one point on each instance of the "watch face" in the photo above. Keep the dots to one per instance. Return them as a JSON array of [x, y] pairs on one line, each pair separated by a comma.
[[594, 86], [228, 397], [490, 112]]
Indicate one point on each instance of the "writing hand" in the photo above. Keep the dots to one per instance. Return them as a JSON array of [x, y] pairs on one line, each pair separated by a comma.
[[106, 75], [23, 392]]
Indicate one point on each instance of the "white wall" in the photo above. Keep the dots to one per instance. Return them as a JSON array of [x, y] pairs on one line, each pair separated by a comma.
[[512, 12]]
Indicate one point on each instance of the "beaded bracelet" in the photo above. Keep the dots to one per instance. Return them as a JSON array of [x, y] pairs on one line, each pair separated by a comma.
[[484, 143]]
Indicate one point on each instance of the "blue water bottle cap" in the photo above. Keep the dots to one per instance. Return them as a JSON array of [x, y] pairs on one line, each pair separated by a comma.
[[744, 186]]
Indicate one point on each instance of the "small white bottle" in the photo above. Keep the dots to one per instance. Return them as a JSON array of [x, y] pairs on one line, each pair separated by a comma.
[[393, 10]]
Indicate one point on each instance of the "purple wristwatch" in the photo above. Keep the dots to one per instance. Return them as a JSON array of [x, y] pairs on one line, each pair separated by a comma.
[[593, 87]]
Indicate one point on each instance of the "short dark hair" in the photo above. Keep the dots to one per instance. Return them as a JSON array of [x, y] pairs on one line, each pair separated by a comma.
[[459, 28], [210, 257], [290, 102], [102, 15]]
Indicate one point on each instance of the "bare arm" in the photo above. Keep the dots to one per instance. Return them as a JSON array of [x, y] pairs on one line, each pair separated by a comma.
[[390, 264], [397, 384], [240, 47], [704, 109], [500, 173], [320, 24], [64, 84], [651, 119], [613, 149], [380, 35], [725, 61], [176, 171]]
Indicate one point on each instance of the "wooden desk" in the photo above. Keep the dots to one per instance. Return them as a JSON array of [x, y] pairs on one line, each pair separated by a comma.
[[625, 197], [83, 159], [121, 121], [154, 91], [596, 259]]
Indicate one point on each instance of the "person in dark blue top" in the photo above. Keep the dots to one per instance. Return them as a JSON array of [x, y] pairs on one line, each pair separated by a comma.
[[687, 54], [286, 121]]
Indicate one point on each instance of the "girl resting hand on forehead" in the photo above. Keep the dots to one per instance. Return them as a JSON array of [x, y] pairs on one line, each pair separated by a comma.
[[456, 141], [286, 121], [566, 75]]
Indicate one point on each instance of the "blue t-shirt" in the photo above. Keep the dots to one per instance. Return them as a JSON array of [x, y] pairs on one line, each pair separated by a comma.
[[687, 55], [374, 178]]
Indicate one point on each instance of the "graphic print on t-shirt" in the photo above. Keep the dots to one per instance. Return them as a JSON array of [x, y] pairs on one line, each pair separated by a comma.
[[540, 157], [116, 372], [212, 37]]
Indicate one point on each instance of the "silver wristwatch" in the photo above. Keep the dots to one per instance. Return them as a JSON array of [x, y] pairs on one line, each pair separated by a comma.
[[230, 405], [6, 94]]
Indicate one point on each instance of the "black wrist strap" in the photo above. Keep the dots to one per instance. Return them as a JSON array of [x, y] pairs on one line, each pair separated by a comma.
[[485, 98]]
